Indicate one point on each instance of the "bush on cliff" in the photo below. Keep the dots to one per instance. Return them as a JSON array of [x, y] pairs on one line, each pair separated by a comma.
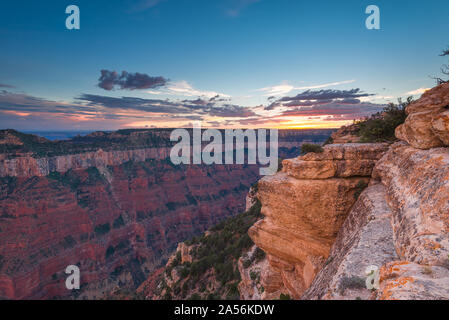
[[309, 147], [215, 254], [380, 126]]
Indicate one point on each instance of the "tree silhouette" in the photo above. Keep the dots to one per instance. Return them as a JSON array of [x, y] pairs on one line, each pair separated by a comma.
[[444, 68]]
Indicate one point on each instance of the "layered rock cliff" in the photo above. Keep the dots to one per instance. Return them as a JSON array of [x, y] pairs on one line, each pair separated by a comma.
[[323, 241], [109, 202], [117, 223], [207, 267], [305, 206]]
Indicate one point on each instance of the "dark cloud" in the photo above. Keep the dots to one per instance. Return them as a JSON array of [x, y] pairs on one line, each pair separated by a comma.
[[147, 105], [22, 102], [273, 105], [335, 104], [2, 85], [327, 94], [230, 110], [210, 102], [336, 110], [129, 81], [199, 106]]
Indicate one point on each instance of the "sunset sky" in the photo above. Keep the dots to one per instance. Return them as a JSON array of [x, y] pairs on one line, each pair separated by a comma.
[[226, 63]]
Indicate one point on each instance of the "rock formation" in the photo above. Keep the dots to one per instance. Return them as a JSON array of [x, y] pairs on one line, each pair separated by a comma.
[[346, 134], [109, 202], [427, 124], [117, 225], [322, 244], [304, 207]]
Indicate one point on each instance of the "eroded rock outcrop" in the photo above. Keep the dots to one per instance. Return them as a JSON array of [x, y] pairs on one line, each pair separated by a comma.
[[346, 134], [399, 225], [365, 239], [427, 124], [403, 280], [304, 207], [417, 184]]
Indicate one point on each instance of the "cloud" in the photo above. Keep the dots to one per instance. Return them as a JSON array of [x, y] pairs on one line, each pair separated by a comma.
[[21, 102], [417, 91], [328, 103], [184, 107], [143, 5], [285, 88], [229, 110], [131, 103], [326, 95], [130, 81], [319, 97], [336, 110], [235, 7], [92, 109], [2, 85], [185, 89]]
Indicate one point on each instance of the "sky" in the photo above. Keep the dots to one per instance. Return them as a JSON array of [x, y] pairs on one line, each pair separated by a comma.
[[224, 63]]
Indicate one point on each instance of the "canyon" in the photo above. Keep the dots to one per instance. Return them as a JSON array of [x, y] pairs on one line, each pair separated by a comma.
[[111, 203], [350, 221]]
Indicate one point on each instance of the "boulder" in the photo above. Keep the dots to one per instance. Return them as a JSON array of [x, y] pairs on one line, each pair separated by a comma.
[[426, 125]]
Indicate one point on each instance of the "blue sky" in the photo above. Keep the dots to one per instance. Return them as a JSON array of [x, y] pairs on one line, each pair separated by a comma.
[[242, 50]]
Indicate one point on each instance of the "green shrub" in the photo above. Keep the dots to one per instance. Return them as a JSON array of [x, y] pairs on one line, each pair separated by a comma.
[[195, 296], [68, 242], [218, 252], [185, 271], [119, 222], [360, 186], [380, 127], [284, 297], [246, 263], [254, 275], [259, 255], [353, 282], [110, 251], [233, 291], [329, 140], [102, 229], [309, 147]]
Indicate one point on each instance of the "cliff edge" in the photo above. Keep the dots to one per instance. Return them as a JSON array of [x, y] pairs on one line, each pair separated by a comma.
[[354, 211]]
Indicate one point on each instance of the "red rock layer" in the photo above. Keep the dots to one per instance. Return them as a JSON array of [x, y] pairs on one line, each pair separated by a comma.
[[117, 223]]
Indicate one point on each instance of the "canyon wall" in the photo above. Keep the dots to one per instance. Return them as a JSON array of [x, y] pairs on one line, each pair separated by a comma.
[[304, 207], [111, 203], [116, 223], [389, 241], [27, 166]]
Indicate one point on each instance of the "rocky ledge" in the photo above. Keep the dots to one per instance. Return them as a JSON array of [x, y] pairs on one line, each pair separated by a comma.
[[324, 231], [305, 206]]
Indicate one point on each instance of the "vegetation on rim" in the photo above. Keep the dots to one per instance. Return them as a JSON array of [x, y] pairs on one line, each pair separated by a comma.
[[213, 272]]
